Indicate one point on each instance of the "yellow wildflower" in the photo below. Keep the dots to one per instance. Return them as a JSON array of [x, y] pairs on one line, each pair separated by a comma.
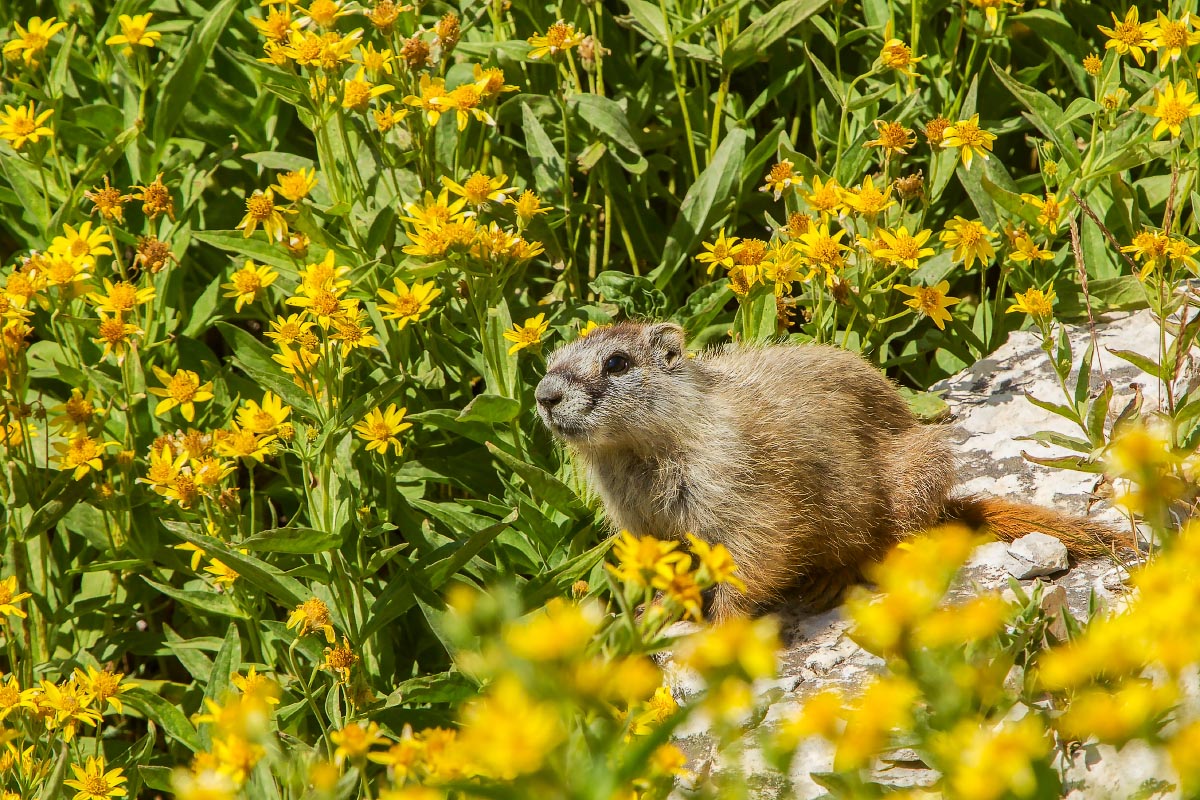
[[970, 240], [722, 252], [479, 189], [1033, 302], [867, 199], [104, 686], [248, 282], [66, 706], [558, 38], [257, 686], [156, 199], [897, 55], [354, 741], [640, 559], [312, 615], [31, 41], [991, 10], [1092, 64], [431, 90], [969, 138], [1026, 249], [930, 301], [134, 33], [325, 12], [340, 660], [121, 297], [407, 304], [527, 335], [823, 249], [114, 334], [109, 201], [387, 117], [358, 92], [265, 418], [23, 124], [182, 389], [825, 198], [716, 563], [558, 631], [261, 210], [94, 781], [297, 184], [375, 62], [527, 206], [781, 178], [381, 427], [1173, 106], [1172, 37], [893, 139], [9, 597], [223, 574], [1129, 36], [82, 453]]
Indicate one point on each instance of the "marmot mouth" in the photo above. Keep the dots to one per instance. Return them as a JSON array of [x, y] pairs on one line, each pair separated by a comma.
[[565, 430]]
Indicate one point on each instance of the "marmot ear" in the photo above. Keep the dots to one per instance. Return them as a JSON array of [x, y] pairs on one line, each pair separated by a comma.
[[667, 341]]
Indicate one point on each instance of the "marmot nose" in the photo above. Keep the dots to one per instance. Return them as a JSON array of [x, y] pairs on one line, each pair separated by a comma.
[[548, 396]]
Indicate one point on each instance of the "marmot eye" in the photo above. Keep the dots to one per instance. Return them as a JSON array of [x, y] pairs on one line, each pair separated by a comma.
[[615, 364]]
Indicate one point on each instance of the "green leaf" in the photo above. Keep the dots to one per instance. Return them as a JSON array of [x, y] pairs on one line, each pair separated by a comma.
[[703, 203], [306, 541], [54, 781], [187, 70], [1144, 363], [1074, 463], [254, 358], [548, 164], [752, 43], [255, 248], [203, 601], [1058, 440], [607, 117], [543, 485], [1057, 408], [1045, 115], [166, 715], [228, 660], [256, 572], [490, 408], [1098, 413]]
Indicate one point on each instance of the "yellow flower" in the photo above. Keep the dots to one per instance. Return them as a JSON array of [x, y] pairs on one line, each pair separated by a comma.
[[133, 33], [120, 297], [867, 199], [901, 247], [114, 334], [991, 10], [31, 41], [223, 574], [407, 305], [23, 124], [156, 199], [257, 686], [1092, 64], [9, 597], [527, 206], [465, 100], [479, 189], [559, 631], [821, 715], [784, 266], [182, 389], [716, 563], [897, 55], [825, 198], [238, 442], [322, 302], [893, 138], [325, 12], [277, 27], [971, 241], [354, 741], [109, 201], [104, 686], [66, 706], [77, 412], [261, 210], [1173, 37], [935, 131], [248, 282], [823, 249], [296, 184], [639, 559], [590, 327], [82, 453], [955, 626], [527, 335], [678, 585], [289, 330], [969, 138], [1129, 36], [930, 301], [265, 418], [506, 732], [722, 252], [1026, 249], [82, 244], [747, 646], [94, 783], [491, 81], [781, 178], [375, 62], [381, 427], [1033, 302], [1173, 106], [558, 38], [312, 615], [340, 660], [358, 92], [431, 91], [12, 696], [387, 117], [988, 762]]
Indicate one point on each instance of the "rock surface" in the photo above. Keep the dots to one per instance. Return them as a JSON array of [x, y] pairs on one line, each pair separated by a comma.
[[989, 411], [1037, 554]]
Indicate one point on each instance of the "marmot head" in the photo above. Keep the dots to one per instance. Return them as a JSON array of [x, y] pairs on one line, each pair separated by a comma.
[[616, 386]]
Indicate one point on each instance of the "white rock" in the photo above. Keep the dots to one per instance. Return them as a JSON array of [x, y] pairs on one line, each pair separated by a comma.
[[1038, 554], [1102, 772]]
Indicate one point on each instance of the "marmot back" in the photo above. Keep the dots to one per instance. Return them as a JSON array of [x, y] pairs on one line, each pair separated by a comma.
[[803, 460]]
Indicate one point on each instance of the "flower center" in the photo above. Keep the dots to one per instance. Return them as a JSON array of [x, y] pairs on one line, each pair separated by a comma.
[[557, 35], [260, 207], [928, 299], [407, 305], [477, 188], [112, 330], [905, 248], [122, 297], [780, 172], [247, 282], [1173, 35], [324, 304], [1173, 112], [1129, 33], [183, 388], [752, 252], [23, 126], [968, 133]]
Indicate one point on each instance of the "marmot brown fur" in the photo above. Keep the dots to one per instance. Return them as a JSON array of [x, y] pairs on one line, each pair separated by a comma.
[[803, 460]]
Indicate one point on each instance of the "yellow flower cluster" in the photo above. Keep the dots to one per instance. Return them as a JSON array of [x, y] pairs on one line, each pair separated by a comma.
[[240, 731], [440, 227], [59, 710]]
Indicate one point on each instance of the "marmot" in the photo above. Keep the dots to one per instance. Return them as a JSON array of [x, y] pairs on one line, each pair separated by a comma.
[[803, 460]]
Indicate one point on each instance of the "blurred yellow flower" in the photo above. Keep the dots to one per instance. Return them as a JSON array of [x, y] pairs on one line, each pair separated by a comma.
[[9, 597], [970, 240], [558, 631], [94, 781], [325, 12], [678, 585], [558, 38], [354, 742], [744, 645], [1033, 302], [991, 10], [955, 626], [716, 563], [247, 283], [182, 389], [1173, 107], [885, 706], [527, 335], [989, 761], [382, 427], [969, 138], [1129, 36], [407, 304], [821, 715], [506, 732], [134, 33], [1115, 717], [23, 124]]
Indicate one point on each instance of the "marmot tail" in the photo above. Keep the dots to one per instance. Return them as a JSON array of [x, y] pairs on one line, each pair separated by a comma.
[[1008, 521]]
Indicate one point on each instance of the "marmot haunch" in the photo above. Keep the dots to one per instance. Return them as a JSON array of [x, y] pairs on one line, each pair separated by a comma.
[[803, 460]]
